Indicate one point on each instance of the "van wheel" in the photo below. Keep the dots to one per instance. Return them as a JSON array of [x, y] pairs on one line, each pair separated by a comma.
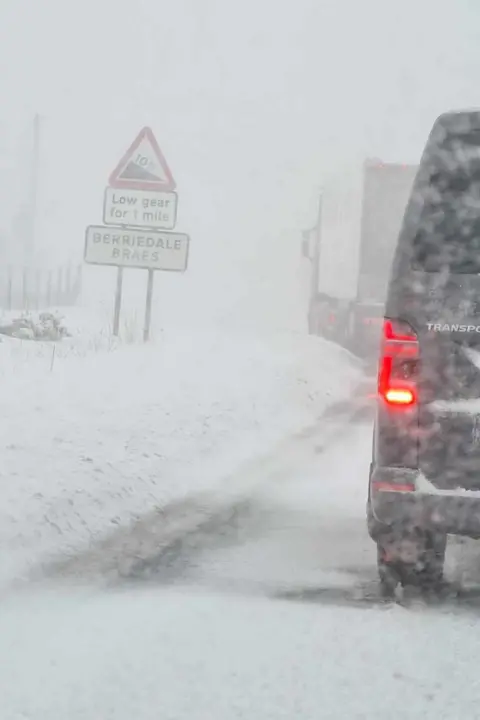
[[389, 573], [426, 573]]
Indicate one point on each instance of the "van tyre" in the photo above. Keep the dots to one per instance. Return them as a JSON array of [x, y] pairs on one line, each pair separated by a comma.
[[426, 573], [389, 573]]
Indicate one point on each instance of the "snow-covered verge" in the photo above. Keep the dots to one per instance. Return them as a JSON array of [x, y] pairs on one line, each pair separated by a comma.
[[96, 434]]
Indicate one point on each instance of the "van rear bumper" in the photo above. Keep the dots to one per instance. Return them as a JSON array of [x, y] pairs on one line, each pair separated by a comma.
[[455, 513]]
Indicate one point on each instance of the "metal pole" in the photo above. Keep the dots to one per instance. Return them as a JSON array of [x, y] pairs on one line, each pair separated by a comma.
[[148, 307], [49, 288], [32, 209], [10, 288], [315, 277], [38, 290], [69, 285], [25, 289], [78, 283], [59, 297], [118, 302]]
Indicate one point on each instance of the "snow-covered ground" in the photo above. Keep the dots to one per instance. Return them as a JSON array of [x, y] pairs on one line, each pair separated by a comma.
[[191, 651], [184, 653], [97, 433], [106, 434]]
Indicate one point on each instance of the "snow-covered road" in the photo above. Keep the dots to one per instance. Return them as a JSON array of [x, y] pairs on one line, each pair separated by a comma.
[[182, 653], [220, 496], [259, 613], [301, 531], [99, 435]]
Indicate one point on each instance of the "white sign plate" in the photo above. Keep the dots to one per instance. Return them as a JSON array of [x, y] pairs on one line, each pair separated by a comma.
[[140, 208], [134, 248]]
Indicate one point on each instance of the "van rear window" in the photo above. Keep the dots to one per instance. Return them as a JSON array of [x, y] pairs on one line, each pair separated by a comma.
[[448, 233]]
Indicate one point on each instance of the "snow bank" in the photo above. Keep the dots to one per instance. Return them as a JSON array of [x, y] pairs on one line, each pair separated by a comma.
[[93, 438]]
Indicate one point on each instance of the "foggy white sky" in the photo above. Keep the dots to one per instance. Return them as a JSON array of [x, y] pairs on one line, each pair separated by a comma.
[[251, 102]]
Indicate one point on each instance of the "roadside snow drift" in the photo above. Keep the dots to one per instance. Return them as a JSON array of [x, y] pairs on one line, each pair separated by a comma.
[[93, 440]]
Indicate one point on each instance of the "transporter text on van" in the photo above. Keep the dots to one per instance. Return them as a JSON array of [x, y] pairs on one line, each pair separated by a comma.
[[445, 327]]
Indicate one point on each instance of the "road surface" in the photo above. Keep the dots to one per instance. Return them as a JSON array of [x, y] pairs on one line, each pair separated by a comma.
[[267, 607], [300, 532]]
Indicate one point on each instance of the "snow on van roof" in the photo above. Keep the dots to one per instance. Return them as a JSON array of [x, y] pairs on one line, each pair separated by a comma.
[[462, 121]]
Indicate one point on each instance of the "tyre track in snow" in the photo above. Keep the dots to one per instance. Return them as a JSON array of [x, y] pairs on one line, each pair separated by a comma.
[[248, 521], [281, 542], [263, 545], [167, 537], [176, 544]]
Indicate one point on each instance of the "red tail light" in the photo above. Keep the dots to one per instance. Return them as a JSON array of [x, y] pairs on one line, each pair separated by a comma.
[[397, 330], [398, 364], [399, 396]]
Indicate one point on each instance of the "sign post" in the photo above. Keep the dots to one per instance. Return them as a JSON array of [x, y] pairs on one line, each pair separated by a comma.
[[148, 307], [139, 213], [118, 302]]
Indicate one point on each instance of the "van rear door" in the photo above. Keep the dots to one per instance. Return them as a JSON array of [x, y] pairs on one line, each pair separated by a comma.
[[444, 307]]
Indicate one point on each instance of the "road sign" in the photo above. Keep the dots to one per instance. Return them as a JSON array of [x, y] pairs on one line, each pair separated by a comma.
[[140, 208], [143, 166], [129, 247]]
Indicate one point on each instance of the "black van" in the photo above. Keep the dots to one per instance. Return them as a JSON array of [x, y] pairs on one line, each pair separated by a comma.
[[425, 471]]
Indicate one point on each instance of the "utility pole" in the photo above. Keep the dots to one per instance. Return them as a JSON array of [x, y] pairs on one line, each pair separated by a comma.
[[33, 191], [316, 251], [313, 253]]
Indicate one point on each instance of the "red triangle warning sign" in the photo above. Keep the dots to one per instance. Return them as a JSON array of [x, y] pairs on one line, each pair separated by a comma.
[[143, 166]]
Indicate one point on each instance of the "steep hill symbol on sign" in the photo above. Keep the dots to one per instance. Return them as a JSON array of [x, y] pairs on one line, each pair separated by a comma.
[[143, 166]]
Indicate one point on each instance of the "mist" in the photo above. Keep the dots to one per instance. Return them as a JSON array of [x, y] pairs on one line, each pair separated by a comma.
[[252, 103]]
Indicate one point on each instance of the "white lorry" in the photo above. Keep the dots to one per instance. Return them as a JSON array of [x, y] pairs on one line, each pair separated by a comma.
[[359, 220]]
